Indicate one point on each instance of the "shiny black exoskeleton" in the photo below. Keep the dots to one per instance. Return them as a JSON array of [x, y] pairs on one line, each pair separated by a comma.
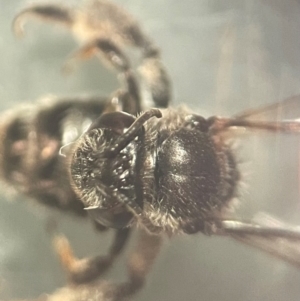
[[170, 172], [165, 170]]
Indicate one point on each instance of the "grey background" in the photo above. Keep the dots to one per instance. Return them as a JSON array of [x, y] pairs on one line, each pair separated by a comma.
[[223, 57]]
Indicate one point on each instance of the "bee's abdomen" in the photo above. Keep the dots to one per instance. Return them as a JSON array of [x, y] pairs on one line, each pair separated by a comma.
[[30, 144]]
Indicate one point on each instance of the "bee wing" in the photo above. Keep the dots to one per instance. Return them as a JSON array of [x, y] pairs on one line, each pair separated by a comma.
[[267, 234], [279, 117], [284, 249], [287, 109]]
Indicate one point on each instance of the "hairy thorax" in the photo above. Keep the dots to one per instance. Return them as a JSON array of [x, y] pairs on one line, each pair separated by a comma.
[[188, 174]]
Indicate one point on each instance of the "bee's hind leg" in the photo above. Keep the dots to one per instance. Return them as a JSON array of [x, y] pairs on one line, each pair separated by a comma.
[[139, 264], [88, 269]]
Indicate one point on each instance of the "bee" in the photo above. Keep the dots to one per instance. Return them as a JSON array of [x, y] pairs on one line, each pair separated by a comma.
[[163, 170]]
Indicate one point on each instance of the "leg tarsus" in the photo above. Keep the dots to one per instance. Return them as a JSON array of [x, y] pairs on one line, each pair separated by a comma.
[[45, 12]]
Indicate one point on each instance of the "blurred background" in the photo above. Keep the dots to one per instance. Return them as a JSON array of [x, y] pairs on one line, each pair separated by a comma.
[[223, 57]]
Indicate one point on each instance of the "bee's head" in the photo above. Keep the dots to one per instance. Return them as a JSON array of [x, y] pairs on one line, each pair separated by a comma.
[[97, 174]]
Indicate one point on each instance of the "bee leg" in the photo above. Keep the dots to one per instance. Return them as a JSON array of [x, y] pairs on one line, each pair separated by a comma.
[[139, 264], [113, 57], [45, 12], [82, 271], [157, 80], [128, 99], [151, 69], [131, 100], [109, 52]]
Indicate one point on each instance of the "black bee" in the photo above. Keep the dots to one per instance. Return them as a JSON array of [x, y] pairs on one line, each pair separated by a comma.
[[164, 170]]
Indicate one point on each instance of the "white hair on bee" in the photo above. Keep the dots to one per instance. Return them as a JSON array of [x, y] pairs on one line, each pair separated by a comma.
[[91, 198], [162, 219], [85, 154], [91, 139], [63, 147]]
